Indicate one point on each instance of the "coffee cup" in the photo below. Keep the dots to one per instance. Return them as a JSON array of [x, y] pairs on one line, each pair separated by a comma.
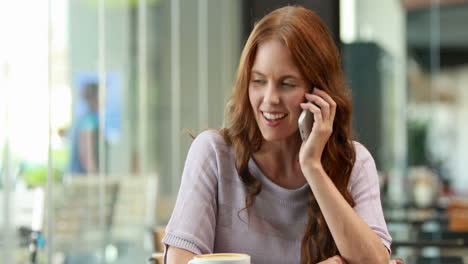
[[221, 258]]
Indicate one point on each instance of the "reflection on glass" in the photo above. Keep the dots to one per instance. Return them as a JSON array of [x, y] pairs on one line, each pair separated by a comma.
[[118, 139], [84, 150]]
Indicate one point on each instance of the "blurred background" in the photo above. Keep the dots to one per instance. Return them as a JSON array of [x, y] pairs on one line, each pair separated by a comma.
[[97, 98]]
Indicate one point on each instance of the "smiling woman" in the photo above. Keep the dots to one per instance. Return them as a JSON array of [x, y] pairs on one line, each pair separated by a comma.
[[255, 187], [275, 91]]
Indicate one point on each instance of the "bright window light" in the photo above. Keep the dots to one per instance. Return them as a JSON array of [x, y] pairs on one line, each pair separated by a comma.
[[348, 20], [24, 71]]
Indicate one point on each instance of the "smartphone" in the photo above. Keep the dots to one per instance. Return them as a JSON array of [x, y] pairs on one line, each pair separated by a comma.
[[305, 121]]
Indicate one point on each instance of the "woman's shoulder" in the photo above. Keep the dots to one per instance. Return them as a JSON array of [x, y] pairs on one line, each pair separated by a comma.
[[210, 136], [209, 147], [210, 140], [362, 153], [364, 170]]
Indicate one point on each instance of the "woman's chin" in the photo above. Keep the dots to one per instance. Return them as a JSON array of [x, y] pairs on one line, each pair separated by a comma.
[[274, 137]]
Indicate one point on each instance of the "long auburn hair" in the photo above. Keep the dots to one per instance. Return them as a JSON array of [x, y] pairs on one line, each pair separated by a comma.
[[314, 52]]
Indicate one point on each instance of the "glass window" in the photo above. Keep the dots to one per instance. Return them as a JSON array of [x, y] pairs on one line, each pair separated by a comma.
[[95, 99]]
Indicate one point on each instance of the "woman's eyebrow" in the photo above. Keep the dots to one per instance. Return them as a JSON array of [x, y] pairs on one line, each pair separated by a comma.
[[257, 72], [289, 77], [286, 76]]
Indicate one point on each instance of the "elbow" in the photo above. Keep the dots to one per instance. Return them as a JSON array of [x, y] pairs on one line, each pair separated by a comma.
[[377, 259], [378, 255], [384, 260], [383, 256]]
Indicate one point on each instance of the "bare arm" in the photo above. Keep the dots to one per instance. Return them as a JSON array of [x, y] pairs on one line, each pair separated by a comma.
[[177, 256], [356, 241], [87, 152]]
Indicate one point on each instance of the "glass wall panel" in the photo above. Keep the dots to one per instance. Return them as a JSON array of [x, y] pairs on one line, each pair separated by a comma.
[[95, 99], [24, 124]]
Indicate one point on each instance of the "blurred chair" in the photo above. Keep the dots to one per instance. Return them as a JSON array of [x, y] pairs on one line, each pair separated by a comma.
[[134, 217], [457, 210], [134, 208], [85, 220], [79, 214]]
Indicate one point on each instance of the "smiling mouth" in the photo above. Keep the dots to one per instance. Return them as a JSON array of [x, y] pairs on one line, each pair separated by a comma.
[[274, 117]]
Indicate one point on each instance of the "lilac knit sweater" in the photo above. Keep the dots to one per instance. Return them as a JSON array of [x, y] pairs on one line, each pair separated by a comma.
[[208, 218]]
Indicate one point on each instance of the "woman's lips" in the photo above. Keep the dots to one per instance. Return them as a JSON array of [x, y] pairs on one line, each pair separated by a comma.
[[276, 118]]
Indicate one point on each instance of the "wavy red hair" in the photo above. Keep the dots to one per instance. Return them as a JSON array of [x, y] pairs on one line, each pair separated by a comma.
[[316, 55]]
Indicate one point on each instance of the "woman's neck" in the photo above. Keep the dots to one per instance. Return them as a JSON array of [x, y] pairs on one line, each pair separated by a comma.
[[279, 161], [282, 150]]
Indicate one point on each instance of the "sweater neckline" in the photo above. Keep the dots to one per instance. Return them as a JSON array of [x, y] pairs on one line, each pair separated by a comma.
[[279, 191]]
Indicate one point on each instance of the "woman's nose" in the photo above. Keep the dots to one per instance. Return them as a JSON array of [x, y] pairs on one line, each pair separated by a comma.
[[271, 95]]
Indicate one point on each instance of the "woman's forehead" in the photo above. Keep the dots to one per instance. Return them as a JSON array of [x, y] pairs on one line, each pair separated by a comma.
[[273, 57]]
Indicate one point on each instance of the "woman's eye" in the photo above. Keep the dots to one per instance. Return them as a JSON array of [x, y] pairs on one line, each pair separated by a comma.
[[258, 81], [290, 85]]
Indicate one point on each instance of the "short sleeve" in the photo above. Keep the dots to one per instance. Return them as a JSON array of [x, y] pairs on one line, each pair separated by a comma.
[[193, 221], [89, 123], [365, 190]]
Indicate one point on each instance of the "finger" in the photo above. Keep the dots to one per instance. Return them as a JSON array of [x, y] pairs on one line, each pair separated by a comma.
[[315, 110], [324, 106], [341, 260], [337, 260], [327, 98]]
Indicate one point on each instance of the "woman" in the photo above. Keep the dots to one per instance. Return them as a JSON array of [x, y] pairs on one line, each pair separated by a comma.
[[254, 187]]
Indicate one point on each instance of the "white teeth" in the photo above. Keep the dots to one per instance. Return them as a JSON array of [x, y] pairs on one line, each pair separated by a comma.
[[273, 116]]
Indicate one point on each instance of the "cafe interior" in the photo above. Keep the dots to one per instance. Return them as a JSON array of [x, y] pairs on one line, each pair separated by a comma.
[[157, 71]]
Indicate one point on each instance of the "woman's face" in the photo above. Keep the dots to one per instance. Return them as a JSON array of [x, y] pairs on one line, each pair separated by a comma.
[[276, 89]]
